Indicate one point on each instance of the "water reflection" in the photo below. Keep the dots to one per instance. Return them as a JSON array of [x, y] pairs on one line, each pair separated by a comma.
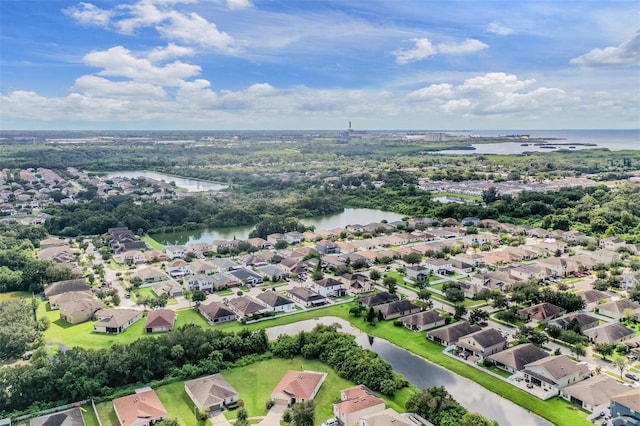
[[424, 374]]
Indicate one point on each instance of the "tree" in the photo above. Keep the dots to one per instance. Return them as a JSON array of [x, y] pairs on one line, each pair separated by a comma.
[[499, 300], [356, 311], [604, 349], [303, 413], [412, 258], [476, 419], [478, 315], [460, 311], [371, 315], [490, 195], [425, 296], [621, 364], [579, 351], [453, 292], [374, 275], [198, 296], [391, 284]]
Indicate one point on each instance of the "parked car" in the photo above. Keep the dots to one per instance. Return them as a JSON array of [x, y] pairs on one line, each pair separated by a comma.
[[632, 376]]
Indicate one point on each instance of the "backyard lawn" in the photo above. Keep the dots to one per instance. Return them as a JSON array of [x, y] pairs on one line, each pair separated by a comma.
[[89, 415], [152, 243]]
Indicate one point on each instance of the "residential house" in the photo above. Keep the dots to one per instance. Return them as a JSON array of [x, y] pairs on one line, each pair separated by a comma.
[[306, 297], [482, 343], [555, 372], [460, 266], [424, 320], [327, 247], [593, 297], [260, 243], [582, 320], [553, 246], [151, 256], [211, 392], [575, 237], [611, 243], [474, 259], [515, 358], [629, 280], [200, 282], [528, 272], [150, 274], [417, 273], [217, 313], [356, 283], [143, 408], [178, 268], [160, 320], [439, 266], [625, 408], [604, 256], [479, 239], [385, 418], [176, 251], [53, 242], [378, 299], [199, 249], [79, 310], [329, 287], [170, 288], [540, 312], [356, 402], [72, 417], [470, 221], [293, 237], [297, 386], [115, 321], [246, 306], [222, 280], [558, 266], [397, 309], [617, 308], [613, 333], [132, 257], [276, 302], [450, 334], [199, 266], [57, 299], [593, 394], [247, 276], [272, 272], [66, 286]]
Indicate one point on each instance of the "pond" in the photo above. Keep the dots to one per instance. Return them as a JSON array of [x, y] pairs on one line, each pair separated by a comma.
[[338, 220], [424, 374], [191, 185]]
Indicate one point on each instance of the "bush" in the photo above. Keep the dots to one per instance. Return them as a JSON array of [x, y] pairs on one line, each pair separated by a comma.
[[398, 323], [269, 404]]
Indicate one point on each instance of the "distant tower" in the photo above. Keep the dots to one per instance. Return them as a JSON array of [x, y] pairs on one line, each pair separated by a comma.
[[349, 126]]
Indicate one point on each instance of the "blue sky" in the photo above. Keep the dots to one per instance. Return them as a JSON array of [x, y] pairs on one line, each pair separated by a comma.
[[317, 64]]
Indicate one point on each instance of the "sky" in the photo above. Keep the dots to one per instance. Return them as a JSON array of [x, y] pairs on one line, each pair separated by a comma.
[[318, 64]]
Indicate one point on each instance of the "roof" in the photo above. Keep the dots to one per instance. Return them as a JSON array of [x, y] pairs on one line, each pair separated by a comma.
[[210, 390], [80, 305], [541, 311], [139, 408], [160, 318], [618, 306], [150, 272], [609, 332], [630, 399], [396, 307], [300, 384], [329, 282], [519, 356], [378, 299], [386, 418], [305, 294], [581, 318], [215, 310], [558, 366], [69, 296], [272, 298], [451, 333], [115, 317], [422, 318], [66, 286], [358, 398], [596, 390], [487, 337], [71, 417], [592, 296], [246, 305]]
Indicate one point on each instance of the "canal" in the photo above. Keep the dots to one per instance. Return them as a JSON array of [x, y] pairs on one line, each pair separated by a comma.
[[424, 374]]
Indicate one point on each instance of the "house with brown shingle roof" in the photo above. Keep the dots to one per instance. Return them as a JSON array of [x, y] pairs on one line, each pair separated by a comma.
[[449, 335], [58, 299], [72, 417], [356, 402], [593, 394], [424, 320], [297, 386], [276, 302], [114, 321], [212, 392], [482, 343], [540, 312], [217, 313], [60, 287], [515, 358], [625, 408], [160, 320], [80, 310], [397, 309], [140, 409], [554, 373], [613, 333]]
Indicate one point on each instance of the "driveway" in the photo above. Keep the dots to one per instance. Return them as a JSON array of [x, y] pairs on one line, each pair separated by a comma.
[[219, 419], [274, 416]]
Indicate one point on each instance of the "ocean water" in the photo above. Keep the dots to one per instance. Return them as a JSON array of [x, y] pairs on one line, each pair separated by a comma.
[[614, 140]]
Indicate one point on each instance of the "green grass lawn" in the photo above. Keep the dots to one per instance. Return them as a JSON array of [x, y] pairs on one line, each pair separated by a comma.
[[15, 295], [178, 404], [89, 416], [190, 316], [107, 414], [437, 286], [152, 243], [497, 370], [255, 382]]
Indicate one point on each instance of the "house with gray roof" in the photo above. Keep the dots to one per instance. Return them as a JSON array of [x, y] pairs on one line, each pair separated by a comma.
[[424, 320], [115, 321], [270, 272], [450, 334], [482, 343], [625, 408], [211, 392], [593, 394], [79, 310], [555, 372], [617, 308], [72, 417], [306, 297], [397, 309], [217, 313], [66, 286], [276, 302], [613, 333], [224, 280], [378, 299], [515, 358], [245, 306], [582, 319], [247, 276]]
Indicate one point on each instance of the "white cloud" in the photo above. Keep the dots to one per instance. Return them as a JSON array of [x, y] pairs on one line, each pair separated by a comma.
[[423, 48], [238, 4], [120, 62], [94, 86], [89, 14], [499, 29], [161, 54], [626, 53], [444, 90], [194, 29]]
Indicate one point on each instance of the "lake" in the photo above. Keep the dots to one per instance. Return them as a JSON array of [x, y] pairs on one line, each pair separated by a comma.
[[424, 374], [191, 185], [338, 220]]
